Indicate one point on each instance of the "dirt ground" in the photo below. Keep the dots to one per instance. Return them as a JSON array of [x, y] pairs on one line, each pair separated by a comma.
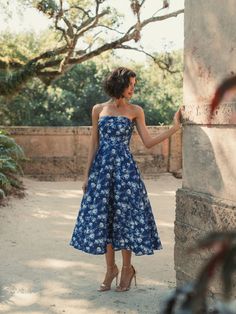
[[40, 273]]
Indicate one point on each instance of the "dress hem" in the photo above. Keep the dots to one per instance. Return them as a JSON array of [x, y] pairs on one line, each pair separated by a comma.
[[118, 249]]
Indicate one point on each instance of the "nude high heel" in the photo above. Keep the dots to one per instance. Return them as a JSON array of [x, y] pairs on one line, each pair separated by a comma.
[[126, 282], [112, 272]]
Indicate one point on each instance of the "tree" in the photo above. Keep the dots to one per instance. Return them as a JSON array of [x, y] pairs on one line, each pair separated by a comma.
[[77, 23], [69, 100]]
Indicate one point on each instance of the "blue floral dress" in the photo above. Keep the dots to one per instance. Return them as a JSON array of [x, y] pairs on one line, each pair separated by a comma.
[[115, 207]]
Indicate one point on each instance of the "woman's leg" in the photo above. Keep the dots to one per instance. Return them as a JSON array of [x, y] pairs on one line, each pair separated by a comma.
[[110, 256], [127, 273], [126, 257], [112, 269]]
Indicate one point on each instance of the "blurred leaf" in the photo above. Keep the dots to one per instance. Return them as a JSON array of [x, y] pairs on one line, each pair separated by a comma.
[[228, 268], [215, 239]]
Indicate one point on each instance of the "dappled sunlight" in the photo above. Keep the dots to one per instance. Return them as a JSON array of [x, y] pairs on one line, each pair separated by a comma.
[[69, 217], [63, 216], [165, 193], [165, 224], [51, 298], [59, 193], [41, 213], [25, 298], [58, 296], [172, 192], [58, 264], [71, 194], [58, 223], [152, 282], [21, 295], [166, 243], [54, 288], [42, 194]]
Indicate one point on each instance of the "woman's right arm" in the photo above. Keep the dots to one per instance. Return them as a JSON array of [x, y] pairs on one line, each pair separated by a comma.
[[142, 129], [94, 142]]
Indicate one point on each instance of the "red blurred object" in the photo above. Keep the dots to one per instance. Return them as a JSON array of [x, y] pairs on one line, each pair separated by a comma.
[[225, 86]]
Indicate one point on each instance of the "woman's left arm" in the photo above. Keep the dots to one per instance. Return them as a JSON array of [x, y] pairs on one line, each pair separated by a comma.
[[142, 129]]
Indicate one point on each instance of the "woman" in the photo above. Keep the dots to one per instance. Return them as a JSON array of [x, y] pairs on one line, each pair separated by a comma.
[[115, 211]]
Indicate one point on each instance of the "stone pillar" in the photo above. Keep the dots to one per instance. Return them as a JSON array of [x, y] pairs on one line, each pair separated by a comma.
[[207, 200]]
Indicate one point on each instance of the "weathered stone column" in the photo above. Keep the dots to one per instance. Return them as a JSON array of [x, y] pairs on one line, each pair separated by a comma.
[[207, 200]]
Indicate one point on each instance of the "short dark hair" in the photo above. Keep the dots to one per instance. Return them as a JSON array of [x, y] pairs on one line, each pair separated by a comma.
[[117, 81]]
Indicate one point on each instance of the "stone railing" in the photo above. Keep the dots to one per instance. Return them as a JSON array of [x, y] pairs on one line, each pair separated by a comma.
[[57, 153]]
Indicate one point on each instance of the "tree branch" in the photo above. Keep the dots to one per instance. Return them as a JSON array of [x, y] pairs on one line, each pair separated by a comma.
[[89, 23], [162, 65], [62, 30], [46, 70], [50, 53], [130, 34], [157, 18], [10, 64], [86, 12], [110, 28], [162, 17], [165, 5]]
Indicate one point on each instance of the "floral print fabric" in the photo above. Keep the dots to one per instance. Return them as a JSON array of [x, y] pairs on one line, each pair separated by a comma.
[[115, 207]]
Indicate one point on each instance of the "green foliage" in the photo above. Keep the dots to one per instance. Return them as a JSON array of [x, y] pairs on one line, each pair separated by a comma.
[[84, 82], [160, 92], [19, 48], [70, 99], [24, 46], [4, 182], [11, 155]]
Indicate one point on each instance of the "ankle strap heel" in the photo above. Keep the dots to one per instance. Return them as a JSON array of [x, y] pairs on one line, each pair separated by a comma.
[[126, 279], [111, 274]]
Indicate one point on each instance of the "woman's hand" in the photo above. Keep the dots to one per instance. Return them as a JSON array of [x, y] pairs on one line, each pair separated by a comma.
[[84, 185], [176, 119]]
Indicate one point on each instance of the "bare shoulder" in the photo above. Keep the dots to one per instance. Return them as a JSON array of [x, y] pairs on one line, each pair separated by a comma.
[[138, 110], [96, 111], [99, 107]]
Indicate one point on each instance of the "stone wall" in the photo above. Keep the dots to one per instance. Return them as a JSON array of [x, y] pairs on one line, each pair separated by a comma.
[[207, 200], [61, 152]]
